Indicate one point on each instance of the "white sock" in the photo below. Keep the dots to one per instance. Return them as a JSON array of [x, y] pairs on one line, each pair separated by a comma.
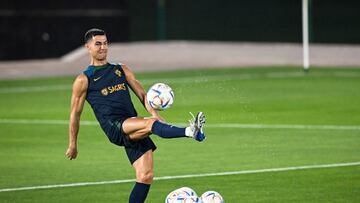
[[188, 132]]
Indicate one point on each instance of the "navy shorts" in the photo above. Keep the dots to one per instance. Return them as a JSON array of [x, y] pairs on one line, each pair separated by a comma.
[[138, 148], [134, 149]]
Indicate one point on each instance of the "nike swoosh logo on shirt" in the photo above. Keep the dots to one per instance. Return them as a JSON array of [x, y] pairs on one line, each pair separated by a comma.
[[96, 79]]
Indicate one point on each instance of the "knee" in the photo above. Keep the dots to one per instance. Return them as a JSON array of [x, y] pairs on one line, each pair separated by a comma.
[[149, 124], [145, 176]]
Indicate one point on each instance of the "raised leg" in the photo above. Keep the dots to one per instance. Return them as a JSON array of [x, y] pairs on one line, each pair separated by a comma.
[[137, 127]]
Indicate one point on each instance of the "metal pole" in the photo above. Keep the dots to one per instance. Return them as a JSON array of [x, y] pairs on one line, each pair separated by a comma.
[[305, 28]]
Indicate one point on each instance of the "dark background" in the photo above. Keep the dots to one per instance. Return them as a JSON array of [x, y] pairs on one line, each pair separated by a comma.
[[41, 29]]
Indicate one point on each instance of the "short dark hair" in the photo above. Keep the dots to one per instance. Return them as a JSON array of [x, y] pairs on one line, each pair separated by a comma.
[[92, 33]]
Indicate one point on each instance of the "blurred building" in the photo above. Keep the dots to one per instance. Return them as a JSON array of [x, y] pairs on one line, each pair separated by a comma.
[[42, 29]]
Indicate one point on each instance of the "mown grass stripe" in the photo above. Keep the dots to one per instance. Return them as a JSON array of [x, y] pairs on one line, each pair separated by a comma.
[[268, 170]]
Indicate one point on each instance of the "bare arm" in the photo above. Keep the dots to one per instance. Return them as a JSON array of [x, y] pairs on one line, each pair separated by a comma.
[[139, 91], [77, 103]]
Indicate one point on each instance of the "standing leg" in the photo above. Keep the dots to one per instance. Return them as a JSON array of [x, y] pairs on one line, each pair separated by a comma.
[[144, 177]]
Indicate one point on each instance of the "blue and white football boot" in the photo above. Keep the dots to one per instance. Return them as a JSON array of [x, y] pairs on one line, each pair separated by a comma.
[[196, 126]]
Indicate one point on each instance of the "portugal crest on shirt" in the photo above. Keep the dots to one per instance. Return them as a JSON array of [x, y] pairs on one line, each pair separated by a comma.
[[104, 92]]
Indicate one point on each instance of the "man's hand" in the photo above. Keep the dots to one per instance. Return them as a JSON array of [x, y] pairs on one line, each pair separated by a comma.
[[71, 153]]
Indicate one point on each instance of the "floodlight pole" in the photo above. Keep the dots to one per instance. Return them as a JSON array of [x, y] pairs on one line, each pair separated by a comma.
[[161, 20], [305, 29]]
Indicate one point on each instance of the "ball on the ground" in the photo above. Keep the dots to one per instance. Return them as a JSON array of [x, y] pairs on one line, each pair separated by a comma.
[[211, 197], [160, 96], [182, 195]]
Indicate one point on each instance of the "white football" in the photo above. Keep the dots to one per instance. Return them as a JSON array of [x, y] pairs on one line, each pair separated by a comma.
[[160, 96], [183, 199], [182, 195], [186, 191], [211, 197]]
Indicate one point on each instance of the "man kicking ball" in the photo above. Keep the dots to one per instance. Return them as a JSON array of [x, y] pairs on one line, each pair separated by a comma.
[[105, 87]]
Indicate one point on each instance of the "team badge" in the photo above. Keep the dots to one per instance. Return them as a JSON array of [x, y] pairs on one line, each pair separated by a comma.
[[104, 92], [118, 72]]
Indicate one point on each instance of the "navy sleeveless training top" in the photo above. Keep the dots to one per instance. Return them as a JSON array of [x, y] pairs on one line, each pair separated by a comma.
[[109, 96]]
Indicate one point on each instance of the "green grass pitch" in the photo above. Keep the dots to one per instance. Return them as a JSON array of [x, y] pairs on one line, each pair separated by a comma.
[[33, 138]]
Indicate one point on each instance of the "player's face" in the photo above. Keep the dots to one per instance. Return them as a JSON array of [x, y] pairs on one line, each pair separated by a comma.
[[98, 47]]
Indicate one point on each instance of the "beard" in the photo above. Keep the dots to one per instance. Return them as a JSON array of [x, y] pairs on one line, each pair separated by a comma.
[[101, 56]]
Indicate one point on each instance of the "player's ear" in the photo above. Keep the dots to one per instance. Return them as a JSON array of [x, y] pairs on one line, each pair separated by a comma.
[[86, 45]]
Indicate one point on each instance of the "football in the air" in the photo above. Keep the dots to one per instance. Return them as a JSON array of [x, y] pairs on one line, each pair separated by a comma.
[[211, 197], [160, 96]]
